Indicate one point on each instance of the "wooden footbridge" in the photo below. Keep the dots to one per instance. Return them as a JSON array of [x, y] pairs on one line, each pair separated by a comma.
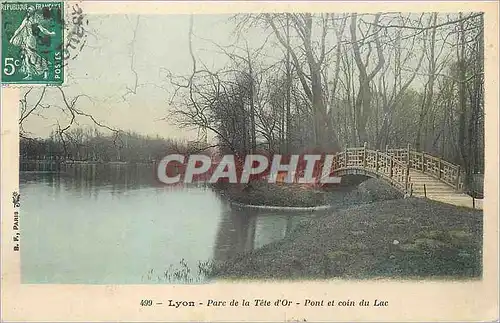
[[413, 173]]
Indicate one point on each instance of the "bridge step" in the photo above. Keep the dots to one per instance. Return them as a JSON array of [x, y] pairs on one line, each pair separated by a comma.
[[439, 191], [432, 189], [437, 195]]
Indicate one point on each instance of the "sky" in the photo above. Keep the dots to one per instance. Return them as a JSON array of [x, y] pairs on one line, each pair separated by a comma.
[[102, 70]]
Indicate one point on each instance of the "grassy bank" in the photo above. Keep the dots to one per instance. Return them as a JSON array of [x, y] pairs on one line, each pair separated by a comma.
[[263, 193], [296, 195], [386, 238]]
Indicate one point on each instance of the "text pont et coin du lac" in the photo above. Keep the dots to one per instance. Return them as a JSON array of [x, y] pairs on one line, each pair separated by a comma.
[[279, 302]]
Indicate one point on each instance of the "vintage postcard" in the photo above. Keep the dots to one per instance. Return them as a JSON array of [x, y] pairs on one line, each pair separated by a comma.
[[249, 161]]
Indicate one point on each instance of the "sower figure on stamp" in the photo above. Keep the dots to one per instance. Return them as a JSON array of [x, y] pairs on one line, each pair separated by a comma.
[[27, 38]]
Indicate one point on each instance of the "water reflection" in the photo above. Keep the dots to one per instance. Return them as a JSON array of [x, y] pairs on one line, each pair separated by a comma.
[[118, 226], [244, 229]]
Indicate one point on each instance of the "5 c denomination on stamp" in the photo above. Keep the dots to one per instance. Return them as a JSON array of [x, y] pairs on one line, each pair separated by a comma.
[[32, 43]]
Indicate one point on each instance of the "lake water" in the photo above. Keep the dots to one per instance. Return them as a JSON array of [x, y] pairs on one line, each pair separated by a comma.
[[116, 226]]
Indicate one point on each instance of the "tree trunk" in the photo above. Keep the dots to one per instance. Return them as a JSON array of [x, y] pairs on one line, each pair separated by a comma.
[[462, 144], [429, 89], [288, 85]]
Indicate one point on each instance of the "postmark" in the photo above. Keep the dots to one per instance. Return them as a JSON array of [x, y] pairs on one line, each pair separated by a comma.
[[32, 43], [75, 26]]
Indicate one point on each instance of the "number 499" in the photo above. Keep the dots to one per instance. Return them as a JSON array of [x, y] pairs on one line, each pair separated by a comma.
[[146, 302]]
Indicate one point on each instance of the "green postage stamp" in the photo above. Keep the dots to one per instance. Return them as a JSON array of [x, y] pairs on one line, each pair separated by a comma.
[[32, 43]]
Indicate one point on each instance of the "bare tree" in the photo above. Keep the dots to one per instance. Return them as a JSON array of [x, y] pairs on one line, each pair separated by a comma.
[[362, 106]]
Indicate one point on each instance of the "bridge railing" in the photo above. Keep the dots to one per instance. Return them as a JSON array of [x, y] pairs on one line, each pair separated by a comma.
[[392, 168], [436, 167], [395, 164]]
